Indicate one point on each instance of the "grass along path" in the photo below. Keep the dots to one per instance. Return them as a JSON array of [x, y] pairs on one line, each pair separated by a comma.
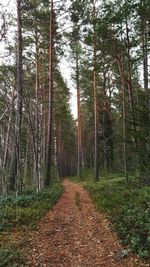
[[74, 234]]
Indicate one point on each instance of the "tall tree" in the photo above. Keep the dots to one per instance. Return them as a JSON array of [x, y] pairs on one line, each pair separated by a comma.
[[16, 161], [96, 159], [76, 11], [50, 99]]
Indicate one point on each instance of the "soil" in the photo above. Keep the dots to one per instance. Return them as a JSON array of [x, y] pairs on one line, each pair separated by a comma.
[[74, 234]]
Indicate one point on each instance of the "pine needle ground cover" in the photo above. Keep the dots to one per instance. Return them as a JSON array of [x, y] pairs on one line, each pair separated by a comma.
[[15, 214], [128, 207]]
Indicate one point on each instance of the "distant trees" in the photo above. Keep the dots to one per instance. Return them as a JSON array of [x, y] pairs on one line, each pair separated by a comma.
[[109, 50]]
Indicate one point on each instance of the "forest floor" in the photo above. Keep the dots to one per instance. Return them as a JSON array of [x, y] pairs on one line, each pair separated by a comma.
[[74, 234]]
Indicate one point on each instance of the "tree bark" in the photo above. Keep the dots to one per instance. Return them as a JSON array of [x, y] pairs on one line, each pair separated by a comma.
[[16, 162], [121, 71], [50, 108], [129, 84], [37, 137], [95, 102], [5, 158], [79, 114]]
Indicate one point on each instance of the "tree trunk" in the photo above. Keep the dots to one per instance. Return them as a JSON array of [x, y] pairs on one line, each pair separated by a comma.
[[50, 108], [129, 84], [16, 162], [37, 137], [79, 114], [5, 158], [121, 71], [95, 104], [145, 54]]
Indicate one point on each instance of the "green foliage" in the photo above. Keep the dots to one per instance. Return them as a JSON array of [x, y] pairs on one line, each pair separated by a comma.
[[87, 174], [128, 206], [10, 257], [24, 210], [27, 208], [75, 179]]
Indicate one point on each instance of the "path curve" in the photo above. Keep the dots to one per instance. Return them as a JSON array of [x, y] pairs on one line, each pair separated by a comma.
[[74, 234]]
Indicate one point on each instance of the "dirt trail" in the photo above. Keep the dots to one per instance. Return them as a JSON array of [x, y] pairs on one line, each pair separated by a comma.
[[74, 234]]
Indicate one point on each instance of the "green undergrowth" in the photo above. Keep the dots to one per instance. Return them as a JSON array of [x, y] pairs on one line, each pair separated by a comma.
[[27, 208], [88, 176], [16, 216], [11, 257], [128, 207]]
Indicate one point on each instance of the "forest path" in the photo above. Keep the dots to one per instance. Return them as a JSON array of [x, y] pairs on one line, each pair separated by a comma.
[[74, 234]]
